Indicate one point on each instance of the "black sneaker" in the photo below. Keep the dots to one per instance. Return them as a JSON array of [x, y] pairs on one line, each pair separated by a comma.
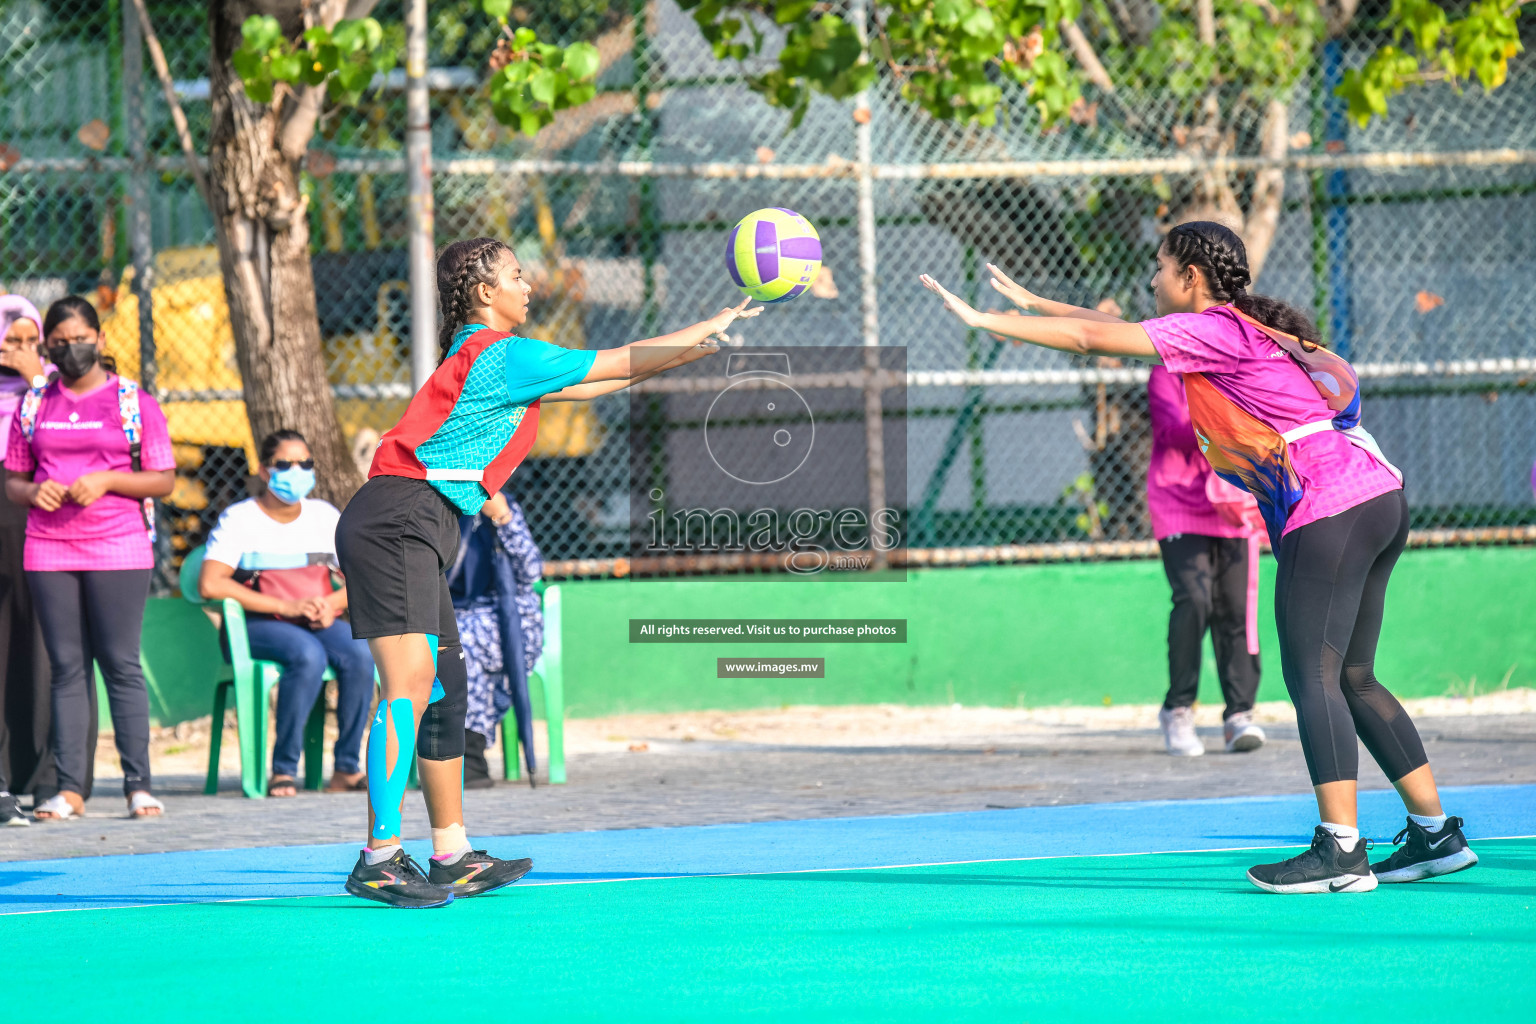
[[477, 872], [10, 811], [399, 882], [1326, 867], [1426, 854]]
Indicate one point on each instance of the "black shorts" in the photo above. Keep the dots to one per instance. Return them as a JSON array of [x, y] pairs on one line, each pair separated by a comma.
[[396, 540]]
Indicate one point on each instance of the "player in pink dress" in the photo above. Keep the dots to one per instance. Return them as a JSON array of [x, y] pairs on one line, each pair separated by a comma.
[[1279, 415]]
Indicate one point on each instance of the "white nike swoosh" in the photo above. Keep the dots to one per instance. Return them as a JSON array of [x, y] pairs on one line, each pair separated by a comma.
[[1436, 846]]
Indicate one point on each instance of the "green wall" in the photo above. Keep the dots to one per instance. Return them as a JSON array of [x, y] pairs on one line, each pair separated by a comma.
[[1002, 636]]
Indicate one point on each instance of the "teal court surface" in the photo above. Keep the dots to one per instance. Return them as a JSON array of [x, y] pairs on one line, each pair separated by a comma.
[[1123, 912]]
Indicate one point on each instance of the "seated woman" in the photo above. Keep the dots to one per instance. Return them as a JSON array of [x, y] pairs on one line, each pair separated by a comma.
[[275, 554]]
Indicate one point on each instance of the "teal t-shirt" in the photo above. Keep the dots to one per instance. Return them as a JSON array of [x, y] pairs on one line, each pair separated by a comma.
[[505, 379]]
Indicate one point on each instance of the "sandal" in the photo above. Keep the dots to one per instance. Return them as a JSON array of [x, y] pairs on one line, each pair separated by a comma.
[[339, 784], [282, 782], [141, 803], [55, 808]]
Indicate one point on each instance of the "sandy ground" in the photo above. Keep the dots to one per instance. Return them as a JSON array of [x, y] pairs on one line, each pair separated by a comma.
[[183, 750]]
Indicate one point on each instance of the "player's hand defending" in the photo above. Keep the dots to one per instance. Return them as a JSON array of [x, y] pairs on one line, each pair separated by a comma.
[[1012, 290], [952, 302]]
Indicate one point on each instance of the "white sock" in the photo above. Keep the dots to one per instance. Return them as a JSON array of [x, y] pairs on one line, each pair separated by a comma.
[[1346, 835], [452, 858], [380, 855], [1430, 822]]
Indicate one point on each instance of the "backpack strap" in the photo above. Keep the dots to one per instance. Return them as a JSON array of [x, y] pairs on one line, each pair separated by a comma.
[[133, 430], [30, 403], [133, 423]]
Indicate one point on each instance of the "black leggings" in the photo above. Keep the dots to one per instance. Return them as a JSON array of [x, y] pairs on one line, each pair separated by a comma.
[[1329, 598], [95, 614]]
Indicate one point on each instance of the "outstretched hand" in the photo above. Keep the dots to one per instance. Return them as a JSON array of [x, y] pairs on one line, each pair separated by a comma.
[[1012, 290], [731, 314], [952, 302]]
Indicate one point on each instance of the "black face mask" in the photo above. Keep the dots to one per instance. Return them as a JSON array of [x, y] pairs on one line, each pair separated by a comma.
[[9, 371], [75, 359]]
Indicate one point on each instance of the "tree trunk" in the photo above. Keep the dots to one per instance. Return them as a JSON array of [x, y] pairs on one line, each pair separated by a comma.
[[260, 214]]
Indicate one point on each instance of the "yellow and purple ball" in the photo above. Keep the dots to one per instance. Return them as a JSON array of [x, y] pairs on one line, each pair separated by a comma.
[[773, 255]]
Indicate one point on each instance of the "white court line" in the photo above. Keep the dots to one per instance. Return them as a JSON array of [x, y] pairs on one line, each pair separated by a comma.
[[733, 874]]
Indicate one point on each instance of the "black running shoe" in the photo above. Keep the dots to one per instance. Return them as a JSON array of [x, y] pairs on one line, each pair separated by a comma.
[[1326, 867], [1426, 854], [10, 811], [399, 882], [477, 872]]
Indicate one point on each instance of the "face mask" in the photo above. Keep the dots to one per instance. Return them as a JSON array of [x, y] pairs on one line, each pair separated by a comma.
[[9, 371], [291, 485], [75, 359]]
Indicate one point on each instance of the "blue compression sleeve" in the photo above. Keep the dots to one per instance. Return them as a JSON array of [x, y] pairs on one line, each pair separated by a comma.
[[386, 789]]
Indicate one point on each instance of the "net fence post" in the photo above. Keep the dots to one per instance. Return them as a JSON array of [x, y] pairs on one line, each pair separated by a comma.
[[874, 420], [418, 159]]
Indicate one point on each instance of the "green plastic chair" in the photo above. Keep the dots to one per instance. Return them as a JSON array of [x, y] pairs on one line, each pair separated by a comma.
[[252, 681], [551, 672]]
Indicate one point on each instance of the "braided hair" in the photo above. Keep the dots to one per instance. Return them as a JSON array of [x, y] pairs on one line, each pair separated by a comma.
[[1220, 255], [460, 267]]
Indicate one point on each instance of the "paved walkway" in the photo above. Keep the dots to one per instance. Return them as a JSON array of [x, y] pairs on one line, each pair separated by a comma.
[[712, 782]]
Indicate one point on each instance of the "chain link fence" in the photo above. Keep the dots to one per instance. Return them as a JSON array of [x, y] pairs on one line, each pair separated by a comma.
[[1411, 240]]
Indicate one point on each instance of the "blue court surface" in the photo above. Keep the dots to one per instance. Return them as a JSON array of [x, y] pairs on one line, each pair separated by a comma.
[[829, 844]]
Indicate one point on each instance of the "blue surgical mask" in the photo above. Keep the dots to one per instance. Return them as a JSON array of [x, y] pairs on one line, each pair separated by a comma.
[[291, 485]]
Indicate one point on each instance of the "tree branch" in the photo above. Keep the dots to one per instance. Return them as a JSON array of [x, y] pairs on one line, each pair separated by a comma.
[[1338, 14], [1205, 15], [1268, 190], [178, 116], [1082, 49], [299, 120]]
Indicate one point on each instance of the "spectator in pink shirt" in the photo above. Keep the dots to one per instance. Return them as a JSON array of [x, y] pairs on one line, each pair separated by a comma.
[[1207, 531], [88, 554]]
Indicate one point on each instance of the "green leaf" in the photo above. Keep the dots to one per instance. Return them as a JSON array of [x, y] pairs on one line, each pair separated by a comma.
[[579, 94], [349, 35], [248, 65], [530, 122], [261, 32], [581, 61], [947, 13], [979, 22], [524, 38], [498, 9], [288, 67], [790, 11], [259, 90], [543, 85]]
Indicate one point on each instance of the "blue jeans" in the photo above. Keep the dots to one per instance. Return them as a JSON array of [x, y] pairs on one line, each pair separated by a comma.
[[303, 655]]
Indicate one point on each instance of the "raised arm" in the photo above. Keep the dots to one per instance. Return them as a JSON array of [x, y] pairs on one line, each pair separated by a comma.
[[1073, 334]]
